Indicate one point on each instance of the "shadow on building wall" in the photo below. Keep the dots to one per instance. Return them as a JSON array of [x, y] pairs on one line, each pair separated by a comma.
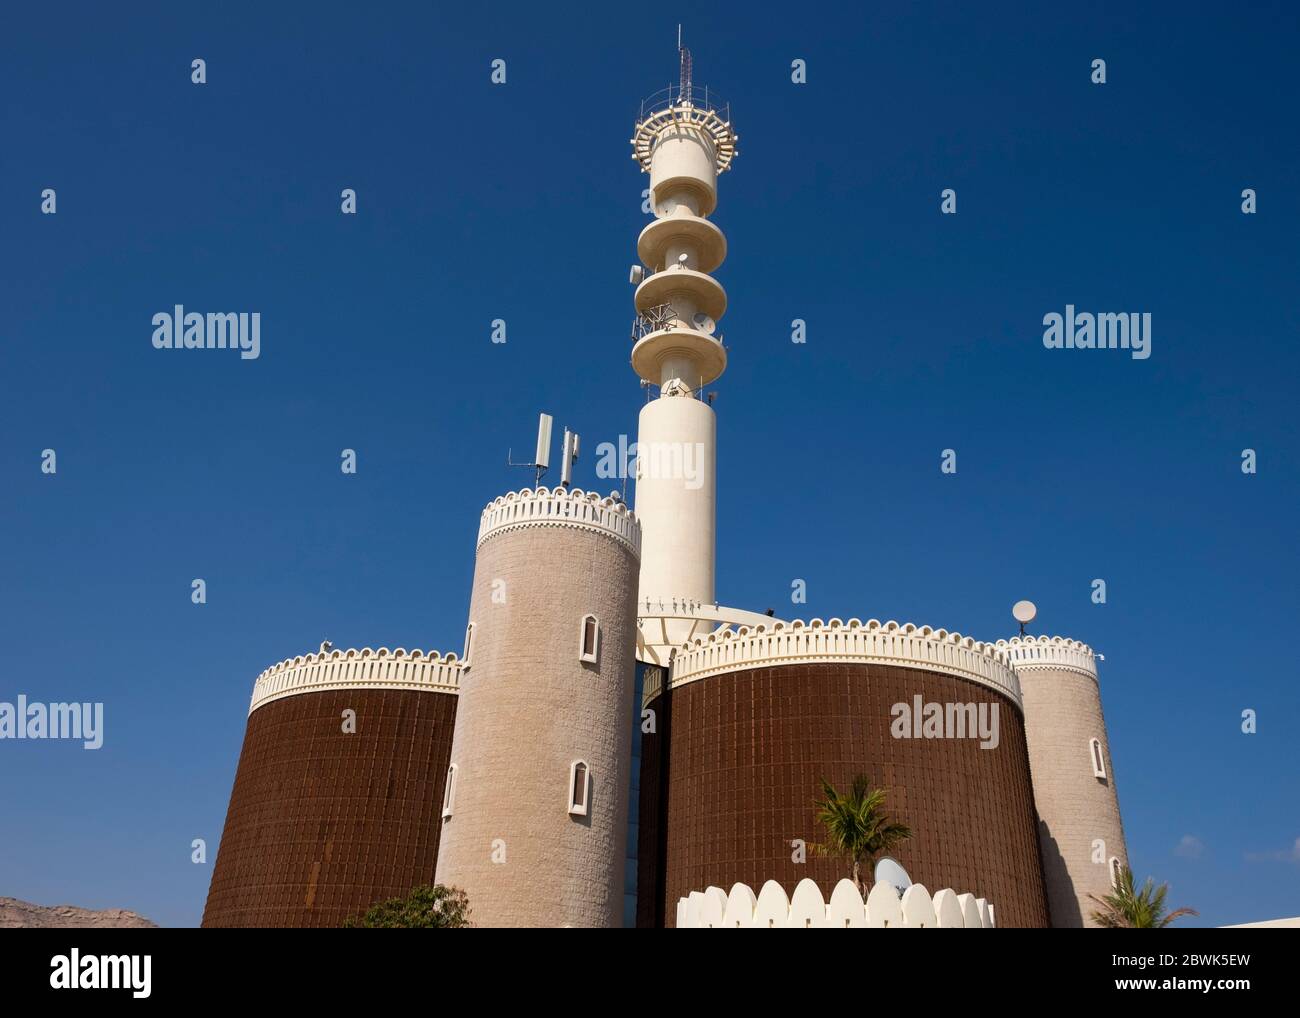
[[1062, 897]]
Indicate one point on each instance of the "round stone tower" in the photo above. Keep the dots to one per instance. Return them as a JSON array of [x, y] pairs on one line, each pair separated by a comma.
[[1079, 830], [536, 802], [684, 140]]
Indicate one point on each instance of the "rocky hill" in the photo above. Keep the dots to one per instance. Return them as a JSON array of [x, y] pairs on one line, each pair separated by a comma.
[[15, 914]]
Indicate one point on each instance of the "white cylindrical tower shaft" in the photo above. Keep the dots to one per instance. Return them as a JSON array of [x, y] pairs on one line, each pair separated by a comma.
[[683, 141], [676, 502]]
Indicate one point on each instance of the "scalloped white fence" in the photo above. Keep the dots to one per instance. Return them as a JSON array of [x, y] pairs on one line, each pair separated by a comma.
[[808, 910]]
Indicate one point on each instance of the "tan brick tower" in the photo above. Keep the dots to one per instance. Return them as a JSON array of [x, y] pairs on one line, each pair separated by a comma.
[[535, 812], [1080, 834]]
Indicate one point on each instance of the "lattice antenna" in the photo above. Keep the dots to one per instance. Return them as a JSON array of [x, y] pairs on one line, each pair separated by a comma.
[[684, 56]]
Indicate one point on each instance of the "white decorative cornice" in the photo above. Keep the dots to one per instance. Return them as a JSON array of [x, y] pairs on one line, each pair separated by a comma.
[[872, 642], [357, 669], [1027, 653], [556, 507]]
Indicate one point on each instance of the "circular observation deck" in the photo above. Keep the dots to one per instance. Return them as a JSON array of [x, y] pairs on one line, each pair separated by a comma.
[[704, 292], [695, 108], [652, 351], [682, 229]]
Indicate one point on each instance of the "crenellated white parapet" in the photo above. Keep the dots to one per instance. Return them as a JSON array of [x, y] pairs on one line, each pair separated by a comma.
[[1029, 652], [357, 669], [871, 642], [714, 908], [558, 507]]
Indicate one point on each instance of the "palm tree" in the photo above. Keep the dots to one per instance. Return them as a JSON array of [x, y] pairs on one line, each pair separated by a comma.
[[857, 827], [1127, 909]]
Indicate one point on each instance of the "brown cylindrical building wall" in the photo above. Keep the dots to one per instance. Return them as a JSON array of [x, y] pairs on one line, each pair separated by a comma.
[[323, 823], [728, 785]]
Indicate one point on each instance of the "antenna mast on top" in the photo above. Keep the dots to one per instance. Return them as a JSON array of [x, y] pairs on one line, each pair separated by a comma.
[[543, 455], [570, 455], [684, 56]]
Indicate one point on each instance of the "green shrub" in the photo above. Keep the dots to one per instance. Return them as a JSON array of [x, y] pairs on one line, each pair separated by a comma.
[[425, 908]]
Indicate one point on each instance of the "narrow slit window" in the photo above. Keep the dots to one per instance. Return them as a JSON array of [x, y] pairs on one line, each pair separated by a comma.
[[449, 793], [1115, 869], [589, 642], [579, 787], [469, 642], [1098, 763]]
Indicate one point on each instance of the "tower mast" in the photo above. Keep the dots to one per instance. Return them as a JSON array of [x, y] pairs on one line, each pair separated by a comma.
[[684, 141]]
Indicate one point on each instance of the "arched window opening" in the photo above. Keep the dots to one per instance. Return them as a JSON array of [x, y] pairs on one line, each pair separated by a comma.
[[579, 787], [449, 793], [1098, 762], [589, 639]]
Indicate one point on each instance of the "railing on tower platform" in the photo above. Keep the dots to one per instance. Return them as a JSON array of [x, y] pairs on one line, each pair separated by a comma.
[[701, 97]]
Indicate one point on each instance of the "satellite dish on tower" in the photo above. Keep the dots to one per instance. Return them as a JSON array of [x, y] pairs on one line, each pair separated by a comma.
[[1024, 612], [704, 323], [888, 871]]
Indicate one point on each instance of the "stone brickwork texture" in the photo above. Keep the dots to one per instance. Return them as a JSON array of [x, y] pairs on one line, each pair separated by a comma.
[[529, 708], [1062, 715]]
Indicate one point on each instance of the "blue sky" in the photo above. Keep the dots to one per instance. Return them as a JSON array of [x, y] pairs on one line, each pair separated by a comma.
[[521, 202]]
